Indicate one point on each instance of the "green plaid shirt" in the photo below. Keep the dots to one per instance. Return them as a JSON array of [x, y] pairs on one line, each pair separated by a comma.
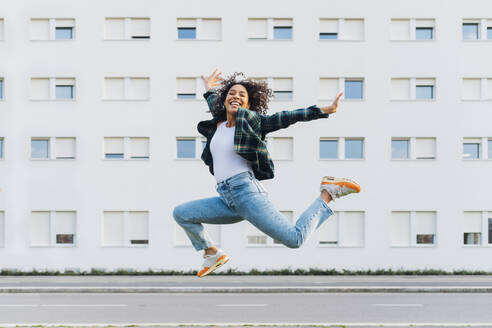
[[249, 136]]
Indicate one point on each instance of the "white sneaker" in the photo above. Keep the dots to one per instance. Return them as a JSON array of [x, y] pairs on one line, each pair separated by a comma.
[[212, 262], [338, 187]]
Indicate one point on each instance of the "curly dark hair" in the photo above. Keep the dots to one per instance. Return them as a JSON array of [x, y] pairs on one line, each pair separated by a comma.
[[259, 94]]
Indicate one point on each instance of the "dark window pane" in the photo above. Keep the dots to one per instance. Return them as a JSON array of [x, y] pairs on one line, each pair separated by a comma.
[[425, 239], [1, 148], [139, 241], [328, 242], [353, 89], [399, 149], [64, 238], [114, 156], [39, 148], [186, 95], [1, 89], [472, 238], [425, 92], [471, 150], [490, 230], [424, 33], [282, 32], [63, 33], [282, 95], [64, 92], [186, 148], [140, 36], [470, 31], [489, 33], [186, 33], [328, 149], [353, 148], [328, 36], [490, 149]]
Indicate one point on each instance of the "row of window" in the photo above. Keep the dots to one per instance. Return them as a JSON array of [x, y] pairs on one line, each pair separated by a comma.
[[190, 88], [343, 229], [280, 148], [131, 28]]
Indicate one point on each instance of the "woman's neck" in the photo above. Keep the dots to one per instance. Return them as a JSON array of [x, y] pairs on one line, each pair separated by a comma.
[[231, 119]]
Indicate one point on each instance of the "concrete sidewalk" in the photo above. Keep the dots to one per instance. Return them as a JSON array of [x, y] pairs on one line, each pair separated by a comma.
[[246, 284]]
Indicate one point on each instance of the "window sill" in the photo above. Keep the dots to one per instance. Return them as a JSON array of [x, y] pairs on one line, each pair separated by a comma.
[[414, 160], [402, 41], [354, 100], [125, 246], [414, 246], [52, 246], [264, 246], [182, 246], [477, 160], [55, 100], [477, 246], [54, 40], [413, 100], [129, 99], [126, 159], [187, 159], [189, 100], [476, 100], [138, 40], [341, 40], [277, 40], [282, 160], [53, 159], [339, 246], [194, 40], [488, 40], [342, 160]]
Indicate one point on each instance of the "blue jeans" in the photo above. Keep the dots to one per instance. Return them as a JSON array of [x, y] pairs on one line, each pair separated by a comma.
[[242, 197]]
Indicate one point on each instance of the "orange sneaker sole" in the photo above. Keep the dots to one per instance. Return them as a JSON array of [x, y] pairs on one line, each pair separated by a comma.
[[220, 262], [341, 182]]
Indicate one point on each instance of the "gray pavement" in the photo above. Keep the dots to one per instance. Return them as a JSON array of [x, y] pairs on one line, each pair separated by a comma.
[[240, 310], [245, 284]]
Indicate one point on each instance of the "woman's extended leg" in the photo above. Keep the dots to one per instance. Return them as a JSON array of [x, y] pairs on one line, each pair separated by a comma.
[[191, 215]]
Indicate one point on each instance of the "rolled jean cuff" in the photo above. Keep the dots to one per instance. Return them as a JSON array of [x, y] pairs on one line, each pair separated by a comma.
[[325, 205]]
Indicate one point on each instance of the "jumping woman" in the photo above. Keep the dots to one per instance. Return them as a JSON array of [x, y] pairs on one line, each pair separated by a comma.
[[237, 157]]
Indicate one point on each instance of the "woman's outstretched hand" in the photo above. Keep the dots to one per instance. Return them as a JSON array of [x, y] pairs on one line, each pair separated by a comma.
[[333, 107], [212, 81]]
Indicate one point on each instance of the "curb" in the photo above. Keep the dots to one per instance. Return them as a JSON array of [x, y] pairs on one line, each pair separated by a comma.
[[242, 325], [191, 289]]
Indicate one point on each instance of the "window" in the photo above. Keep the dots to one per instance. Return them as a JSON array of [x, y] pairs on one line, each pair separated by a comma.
[[425, 148], [186, 88], [270, 29], [1, 88], [257, 238], [328, 149], [400, 149], [353, 89], [1, 148], [328, 88], [52, 88], [52, 29], [1, 29], [489, 150], [343, 229], [413, 228], [354, 148], [2, 229], [182, 240], [413, 148], [472, 228], [125, 228], [53, 148], [489, 33], [282, 89], [126, 148], [341, 148], [126, 88], [412, 29], [281, 148], [400, 89], [471, 148], [424, 89], [470, 31], [52, 228], [282, 29], [490, 227], [341, 28], [199, 28], [471, 89], [40, 148], [126, 28], [186, 147]]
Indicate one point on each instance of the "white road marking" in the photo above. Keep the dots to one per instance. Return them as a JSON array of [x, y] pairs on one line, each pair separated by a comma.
[[228, 305], [399, 305]]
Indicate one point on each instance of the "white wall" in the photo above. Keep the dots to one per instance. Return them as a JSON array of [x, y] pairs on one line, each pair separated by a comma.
[[90, 185]]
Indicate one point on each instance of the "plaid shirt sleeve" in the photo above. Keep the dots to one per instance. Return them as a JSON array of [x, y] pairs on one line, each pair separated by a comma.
[[283, 119]]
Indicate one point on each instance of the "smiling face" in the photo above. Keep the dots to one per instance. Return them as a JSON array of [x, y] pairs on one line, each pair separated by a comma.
[[236, 97]]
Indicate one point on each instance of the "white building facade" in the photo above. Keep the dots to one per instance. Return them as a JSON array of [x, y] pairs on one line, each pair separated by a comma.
[[98, 141]]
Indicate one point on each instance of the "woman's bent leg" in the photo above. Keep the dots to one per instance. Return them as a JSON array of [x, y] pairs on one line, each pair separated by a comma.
[[259, 211], [191, 215]]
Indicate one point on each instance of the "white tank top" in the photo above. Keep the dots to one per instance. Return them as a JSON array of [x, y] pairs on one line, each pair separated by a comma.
[[225, 160]]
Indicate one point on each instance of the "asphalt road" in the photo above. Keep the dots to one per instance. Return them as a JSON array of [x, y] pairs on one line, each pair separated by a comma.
[[366, 309]]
